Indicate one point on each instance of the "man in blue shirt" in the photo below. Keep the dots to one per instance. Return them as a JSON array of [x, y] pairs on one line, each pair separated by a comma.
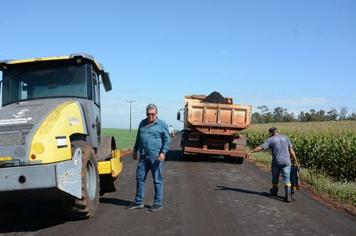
[[282, 151], [152, 144]]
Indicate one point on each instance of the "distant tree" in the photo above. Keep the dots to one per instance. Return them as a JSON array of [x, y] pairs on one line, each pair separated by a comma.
[[314, 115], [352, 116], [264, 109], [307, 117], [301, 116], [343, 113], [321, 115], [332, 114], [263, 115], [256, 118], [278, 114], [281, 114], [288, 117], [268, 117]]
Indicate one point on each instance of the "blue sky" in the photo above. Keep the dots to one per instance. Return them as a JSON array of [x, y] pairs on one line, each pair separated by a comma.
[[298, 54]]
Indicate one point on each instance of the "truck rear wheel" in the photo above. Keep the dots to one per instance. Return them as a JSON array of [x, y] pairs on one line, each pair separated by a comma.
[[87, 205]]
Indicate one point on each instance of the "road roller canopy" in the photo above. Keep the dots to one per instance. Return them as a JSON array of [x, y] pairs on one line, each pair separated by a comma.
[[76, 75]]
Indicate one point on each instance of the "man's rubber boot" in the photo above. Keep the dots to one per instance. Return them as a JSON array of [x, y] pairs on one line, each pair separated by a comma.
[[274, 191], [293, 189], [288, 195]]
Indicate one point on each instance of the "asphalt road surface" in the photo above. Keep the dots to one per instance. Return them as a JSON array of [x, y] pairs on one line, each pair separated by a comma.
[[202, 196]]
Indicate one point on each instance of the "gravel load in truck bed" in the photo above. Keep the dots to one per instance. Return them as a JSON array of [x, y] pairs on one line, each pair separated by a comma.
[[215, 97]]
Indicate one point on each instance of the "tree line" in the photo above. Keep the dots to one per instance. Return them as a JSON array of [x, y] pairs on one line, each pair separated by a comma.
[[280, 114]]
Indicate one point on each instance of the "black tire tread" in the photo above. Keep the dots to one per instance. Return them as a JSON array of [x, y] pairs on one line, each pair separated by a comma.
[[78, 209]]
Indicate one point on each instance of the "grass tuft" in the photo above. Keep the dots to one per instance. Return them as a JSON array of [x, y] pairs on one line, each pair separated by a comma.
[[344, 192]]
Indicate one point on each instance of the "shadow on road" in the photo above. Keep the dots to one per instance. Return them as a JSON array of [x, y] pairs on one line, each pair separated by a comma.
[[114, 201], [265, 194], [28, 218], [177, 155]]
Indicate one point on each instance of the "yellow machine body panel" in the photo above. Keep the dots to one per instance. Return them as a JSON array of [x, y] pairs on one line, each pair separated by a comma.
[[113, 166], [51, 141], [38, 59], [56, 58]]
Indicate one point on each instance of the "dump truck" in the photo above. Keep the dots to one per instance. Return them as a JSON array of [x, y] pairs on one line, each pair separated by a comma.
[[212, 126], [51, 143]]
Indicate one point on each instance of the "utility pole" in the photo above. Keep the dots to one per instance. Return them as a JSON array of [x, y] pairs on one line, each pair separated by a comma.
[[130, 101]]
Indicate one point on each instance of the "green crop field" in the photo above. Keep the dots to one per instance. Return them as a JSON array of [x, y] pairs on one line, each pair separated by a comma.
[[329, 147], [124, 138]]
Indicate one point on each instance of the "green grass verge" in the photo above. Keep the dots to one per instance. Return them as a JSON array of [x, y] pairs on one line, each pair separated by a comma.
[[124, 138], [344, 192], [263, 158]]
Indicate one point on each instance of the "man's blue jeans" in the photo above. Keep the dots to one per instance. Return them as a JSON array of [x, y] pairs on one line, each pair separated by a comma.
[[145, 164], [281, 169]]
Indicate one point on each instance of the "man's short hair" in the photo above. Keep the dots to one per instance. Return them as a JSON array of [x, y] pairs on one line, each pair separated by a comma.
[[272, 130], [151, 106]]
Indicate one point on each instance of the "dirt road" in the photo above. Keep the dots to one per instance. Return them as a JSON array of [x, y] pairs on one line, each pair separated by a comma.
[[204, 196]]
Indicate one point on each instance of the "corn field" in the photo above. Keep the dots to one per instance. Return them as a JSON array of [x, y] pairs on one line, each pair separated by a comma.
[[329, 147]]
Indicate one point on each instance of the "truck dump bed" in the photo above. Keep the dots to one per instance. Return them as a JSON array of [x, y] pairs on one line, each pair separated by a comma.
[[212, 124], [216, 118]]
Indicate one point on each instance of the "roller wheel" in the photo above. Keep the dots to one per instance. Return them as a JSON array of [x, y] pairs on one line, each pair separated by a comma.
[[86, 206]]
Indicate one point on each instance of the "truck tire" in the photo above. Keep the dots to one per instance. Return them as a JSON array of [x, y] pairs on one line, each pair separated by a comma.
[[86, 206]]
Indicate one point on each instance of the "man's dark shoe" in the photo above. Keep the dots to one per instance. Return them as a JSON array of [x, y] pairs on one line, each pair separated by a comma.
[[155, 208], [135, 205]]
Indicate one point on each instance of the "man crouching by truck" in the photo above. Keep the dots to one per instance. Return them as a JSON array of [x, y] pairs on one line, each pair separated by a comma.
[[282, 151]]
